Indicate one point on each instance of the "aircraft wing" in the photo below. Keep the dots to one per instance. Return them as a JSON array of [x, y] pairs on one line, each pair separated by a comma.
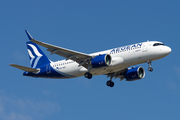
[[79, 57]]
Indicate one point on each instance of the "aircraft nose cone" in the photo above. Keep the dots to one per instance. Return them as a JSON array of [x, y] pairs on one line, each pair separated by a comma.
[[168, 50], [164, 51]]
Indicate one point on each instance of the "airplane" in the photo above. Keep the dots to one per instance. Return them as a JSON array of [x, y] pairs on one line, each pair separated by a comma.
[[115, 63]]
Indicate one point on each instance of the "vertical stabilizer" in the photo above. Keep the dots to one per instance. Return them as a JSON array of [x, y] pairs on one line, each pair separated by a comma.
[[36, 55]]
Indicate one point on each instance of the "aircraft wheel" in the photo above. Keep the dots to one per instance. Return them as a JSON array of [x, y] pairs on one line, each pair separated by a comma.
[[110, 83], [150, 69], [88, 75]]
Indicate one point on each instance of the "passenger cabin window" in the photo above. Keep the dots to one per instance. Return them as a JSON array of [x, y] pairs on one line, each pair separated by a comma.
[[157, 44]]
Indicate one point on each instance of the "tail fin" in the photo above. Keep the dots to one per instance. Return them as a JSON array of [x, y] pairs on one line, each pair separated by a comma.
[[36, 55]]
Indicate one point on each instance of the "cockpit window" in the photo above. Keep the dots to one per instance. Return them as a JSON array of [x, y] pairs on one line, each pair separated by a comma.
[[157, 44]]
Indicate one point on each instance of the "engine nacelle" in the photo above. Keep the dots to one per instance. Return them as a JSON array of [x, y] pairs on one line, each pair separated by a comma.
[[135, 74], [101, 61]]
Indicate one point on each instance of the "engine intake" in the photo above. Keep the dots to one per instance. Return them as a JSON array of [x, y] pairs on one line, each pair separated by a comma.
[[101, 61], [135, 74]]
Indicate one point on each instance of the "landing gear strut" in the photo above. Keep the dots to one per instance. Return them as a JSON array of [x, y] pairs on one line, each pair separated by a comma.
[[150, 68], [88, 74]]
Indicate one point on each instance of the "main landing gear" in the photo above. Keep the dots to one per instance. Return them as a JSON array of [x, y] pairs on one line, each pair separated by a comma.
[[110, 83], [88, 75], [150, 68]]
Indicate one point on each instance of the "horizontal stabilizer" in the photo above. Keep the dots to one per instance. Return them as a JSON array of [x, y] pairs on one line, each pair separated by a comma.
[[24, 68]]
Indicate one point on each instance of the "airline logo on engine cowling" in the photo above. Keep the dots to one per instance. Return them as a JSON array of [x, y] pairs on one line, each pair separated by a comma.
[[129, 47]]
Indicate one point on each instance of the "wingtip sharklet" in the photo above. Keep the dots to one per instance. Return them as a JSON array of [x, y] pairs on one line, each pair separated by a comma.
[[29, 36]]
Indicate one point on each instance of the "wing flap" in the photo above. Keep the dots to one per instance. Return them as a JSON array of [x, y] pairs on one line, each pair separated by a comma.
[[24, 68]]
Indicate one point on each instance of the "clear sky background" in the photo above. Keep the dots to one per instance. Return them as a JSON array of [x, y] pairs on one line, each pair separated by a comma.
[[89, 26]]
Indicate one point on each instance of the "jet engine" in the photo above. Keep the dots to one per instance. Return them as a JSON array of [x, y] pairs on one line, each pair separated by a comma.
[[101, 61], [135, 74]]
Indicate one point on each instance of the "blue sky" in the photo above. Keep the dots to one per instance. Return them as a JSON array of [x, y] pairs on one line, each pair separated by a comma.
[[89, 26]]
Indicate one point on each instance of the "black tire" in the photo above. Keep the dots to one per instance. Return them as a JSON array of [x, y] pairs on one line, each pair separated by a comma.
[[150, 69], [112, 84], [108, 83], [86, 75], [90, 76]]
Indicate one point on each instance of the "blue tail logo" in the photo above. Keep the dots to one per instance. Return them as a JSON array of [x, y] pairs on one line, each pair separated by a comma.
[[37, 57]]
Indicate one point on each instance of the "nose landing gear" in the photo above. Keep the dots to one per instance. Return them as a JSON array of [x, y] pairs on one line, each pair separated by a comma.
[[150, 68]]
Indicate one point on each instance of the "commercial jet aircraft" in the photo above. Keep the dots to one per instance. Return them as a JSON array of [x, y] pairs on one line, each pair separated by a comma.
[[115, 63]]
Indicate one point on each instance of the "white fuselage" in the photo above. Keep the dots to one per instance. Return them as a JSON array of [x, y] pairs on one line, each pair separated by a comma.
[[122, 58]]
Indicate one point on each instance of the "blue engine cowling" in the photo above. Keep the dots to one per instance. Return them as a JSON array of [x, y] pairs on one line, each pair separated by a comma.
[[101, 61], [135, 74]]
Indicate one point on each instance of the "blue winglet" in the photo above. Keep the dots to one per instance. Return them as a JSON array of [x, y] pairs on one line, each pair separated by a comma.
[[29, 36]]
